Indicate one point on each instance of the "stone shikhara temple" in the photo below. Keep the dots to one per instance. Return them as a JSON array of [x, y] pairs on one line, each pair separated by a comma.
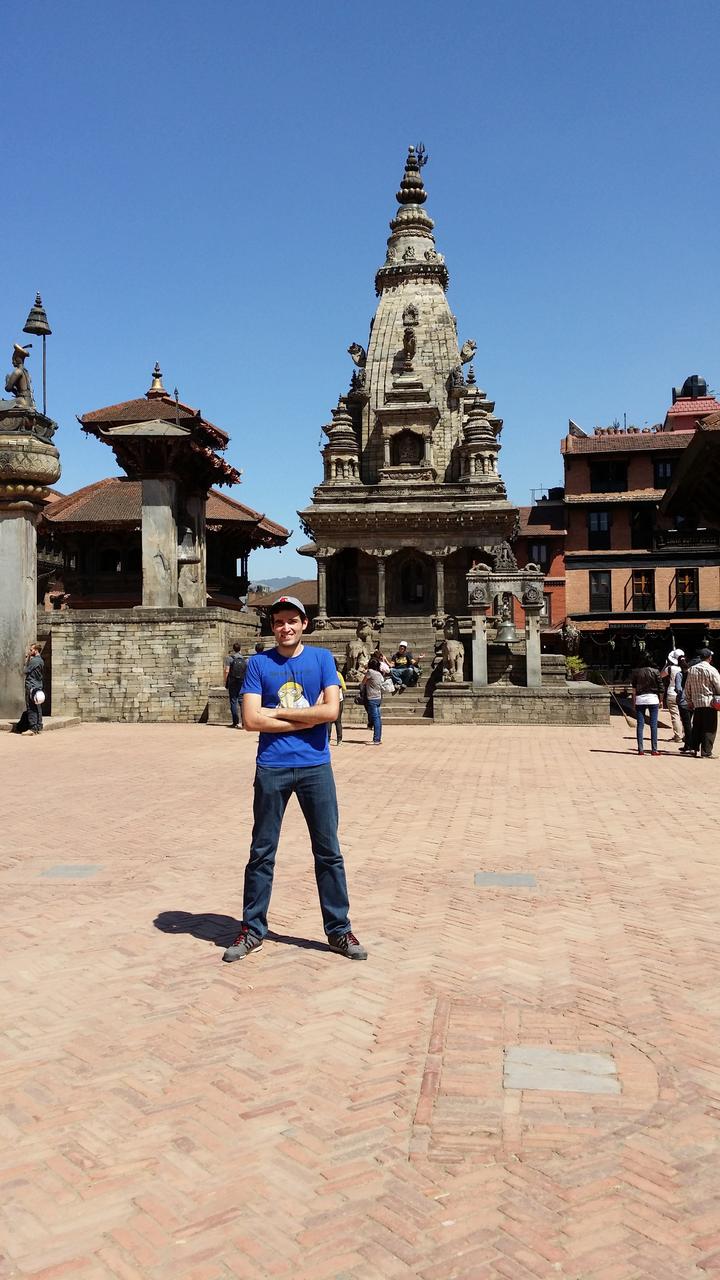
[[411, 495], [411, 523]]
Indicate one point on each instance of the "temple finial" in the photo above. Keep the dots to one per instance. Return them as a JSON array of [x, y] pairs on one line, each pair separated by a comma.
[[157, 389], [412, 190]]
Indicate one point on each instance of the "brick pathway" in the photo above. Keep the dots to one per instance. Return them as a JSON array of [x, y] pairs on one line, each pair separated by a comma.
[[448, 1109]]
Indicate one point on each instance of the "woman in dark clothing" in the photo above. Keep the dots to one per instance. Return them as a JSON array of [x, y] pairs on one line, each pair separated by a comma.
[[34, 672], [648, 692]]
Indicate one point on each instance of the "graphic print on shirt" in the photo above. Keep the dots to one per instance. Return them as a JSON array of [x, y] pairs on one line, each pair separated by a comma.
[[291, 694]]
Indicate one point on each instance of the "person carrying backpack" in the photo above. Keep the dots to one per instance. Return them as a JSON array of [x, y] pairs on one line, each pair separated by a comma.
[[235, 665]]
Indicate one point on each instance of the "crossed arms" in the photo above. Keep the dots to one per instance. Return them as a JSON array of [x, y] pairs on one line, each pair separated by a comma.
[[260, 719]]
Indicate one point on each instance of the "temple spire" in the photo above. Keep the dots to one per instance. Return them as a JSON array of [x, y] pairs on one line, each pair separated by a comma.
[[411, 190], [411, 252]]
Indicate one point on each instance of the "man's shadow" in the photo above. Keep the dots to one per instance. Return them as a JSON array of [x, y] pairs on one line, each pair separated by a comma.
[[222, 930]]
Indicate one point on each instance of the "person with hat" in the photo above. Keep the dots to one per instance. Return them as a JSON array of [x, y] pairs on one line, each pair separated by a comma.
[[702, 694], [290, 697], [405, 668], [671, 698]]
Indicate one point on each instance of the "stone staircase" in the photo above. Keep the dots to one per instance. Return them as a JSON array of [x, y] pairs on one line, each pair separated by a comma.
[[411, 707]]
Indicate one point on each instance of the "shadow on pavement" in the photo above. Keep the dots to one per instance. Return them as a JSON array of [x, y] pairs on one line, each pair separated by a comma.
[[222, 930]]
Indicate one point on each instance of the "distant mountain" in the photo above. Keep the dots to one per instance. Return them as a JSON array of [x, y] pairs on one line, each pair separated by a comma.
[[272, 584]]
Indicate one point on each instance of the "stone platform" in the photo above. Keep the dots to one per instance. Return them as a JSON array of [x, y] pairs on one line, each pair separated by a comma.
[[49, 723]]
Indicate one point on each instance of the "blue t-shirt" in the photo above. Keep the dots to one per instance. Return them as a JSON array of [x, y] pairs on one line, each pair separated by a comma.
[[292, 682]]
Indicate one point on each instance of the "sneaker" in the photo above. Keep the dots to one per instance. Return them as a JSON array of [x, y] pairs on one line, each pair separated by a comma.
[[654, 753], [242, 946], [346, 944]]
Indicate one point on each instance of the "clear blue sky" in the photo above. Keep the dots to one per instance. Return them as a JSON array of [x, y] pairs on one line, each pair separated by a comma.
[[209, 185]]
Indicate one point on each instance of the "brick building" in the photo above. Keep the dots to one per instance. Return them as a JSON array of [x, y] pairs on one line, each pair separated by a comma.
[[635, 574], [541, 540]]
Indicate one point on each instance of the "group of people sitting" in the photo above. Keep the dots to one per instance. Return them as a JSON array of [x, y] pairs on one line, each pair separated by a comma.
[[691, 693], [400, 672]]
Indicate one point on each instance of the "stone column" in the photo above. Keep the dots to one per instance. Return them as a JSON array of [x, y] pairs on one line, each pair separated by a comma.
[[159, 544], [27, 463], [439, 584], [386, 451], [381, 586], [479, 647], [532, 646], [321, 619], [18, 596], [192, 562]]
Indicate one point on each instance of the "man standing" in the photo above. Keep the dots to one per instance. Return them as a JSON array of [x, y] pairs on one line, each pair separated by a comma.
[[702, 690], [34, 672], [291, 697], [235, 668]]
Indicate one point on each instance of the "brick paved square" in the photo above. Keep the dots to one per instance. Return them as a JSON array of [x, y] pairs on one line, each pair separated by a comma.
[[168, 1117]]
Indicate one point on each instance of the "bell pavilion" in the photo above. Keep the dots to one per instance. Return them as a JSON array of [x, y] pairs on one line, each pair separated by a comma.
[[411, 495]]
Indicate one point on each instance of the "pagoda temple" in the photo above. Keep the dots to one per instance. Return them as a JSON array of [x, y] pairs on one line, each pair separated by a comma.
[[411, 495]]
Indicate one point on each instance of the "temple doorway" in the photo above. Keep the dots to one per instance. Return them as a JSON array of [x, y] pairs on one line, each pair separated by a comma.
[[410, 583], [342, 583]]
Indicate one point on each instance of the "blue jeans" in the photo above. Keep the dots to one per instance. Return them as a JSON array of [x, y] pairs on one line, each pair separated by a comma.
[[235, 704], [314, 787], [640, 718], [373, 710]]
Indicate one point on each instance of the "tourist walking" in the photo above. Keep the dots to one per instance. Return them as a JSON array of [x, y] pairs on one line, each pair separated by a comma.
[[235, 668], [373, 685], [702, 694], [34, 695], [290, 697], [647, 689], [683, 708], [671, 696]]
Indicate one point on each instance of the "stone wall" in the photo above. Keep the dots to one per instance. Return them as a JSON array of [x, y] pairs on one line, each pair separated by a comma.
[[141, 664], [578, 703]]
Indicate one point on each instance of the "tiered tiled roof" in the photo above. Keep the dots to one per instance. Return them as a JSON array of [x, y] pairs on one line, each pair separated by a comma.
[[117, 501], [147, 409]]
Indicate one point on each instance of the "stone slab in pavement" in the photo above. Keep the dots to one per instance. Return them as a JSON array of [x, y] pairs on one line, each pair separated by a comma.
[[297, 1115]]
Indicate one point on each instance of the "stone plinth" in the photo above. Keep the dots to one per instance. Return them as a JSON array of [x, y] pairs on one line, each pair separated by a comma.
[[27, 464], [142, 664], [576, 704], [18, 578]]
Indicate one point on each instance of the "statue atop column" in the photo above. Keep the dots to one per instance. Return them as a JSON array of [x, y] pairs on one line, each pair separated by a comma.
[[28, 464], [18, 380], [21, 413]]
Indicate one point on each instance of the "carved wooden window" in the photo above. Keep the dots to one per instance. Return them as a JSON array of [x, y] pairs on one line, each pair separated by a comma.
[[599, 523], [687, 595], [600, 592], [643, 590], [663, 469], [407, 447]]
